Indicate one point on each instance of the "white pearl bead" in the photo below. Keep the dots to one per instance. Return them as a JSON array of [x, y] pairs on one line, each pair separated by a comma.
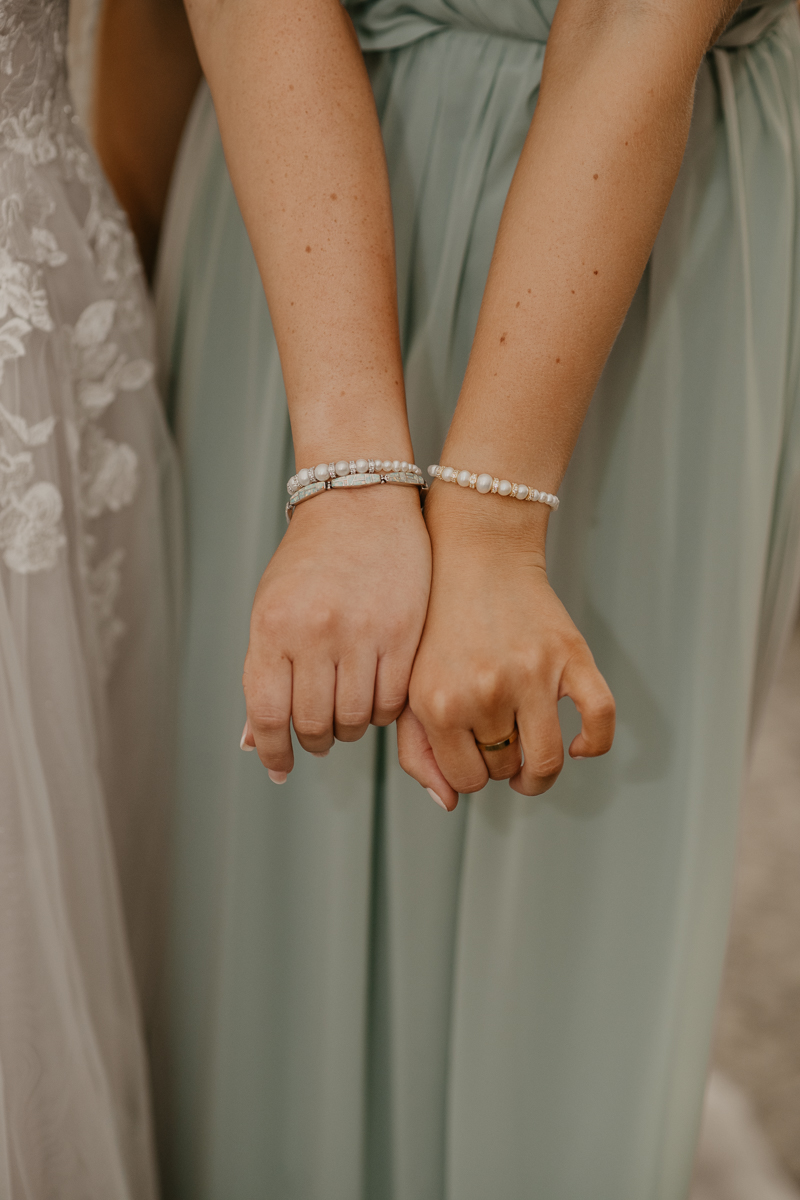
[[536, 495], [403, 466], [305, 476], [483, 484], [433, 469], [463, 478], [505, 488], [361, 465], [396, 465], [448, 474], [321, 472], [342, 467], [522, 491]]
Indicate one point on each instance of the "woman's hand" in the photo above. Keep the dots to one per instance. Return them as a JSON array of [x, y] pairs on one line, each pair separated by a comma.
[[498, 649], [336, 622]]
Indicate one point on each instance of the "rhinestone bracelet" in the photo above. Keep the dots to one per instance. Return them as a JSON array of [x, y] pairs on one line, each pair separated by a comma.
[[486, 483], [350, 473]]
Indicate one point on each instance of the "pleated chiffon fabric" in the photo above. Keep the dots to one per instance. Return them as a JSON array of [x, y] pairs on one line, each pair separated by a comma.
[[373, 1000]]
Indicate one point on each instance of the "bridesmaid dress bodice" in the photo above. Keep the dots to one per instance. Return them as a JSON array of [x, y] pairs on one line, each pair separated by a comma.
[[389, 24]]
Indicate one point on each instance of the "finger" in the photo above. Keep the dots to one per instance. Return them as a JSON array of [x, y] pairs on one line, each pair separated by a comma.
[[391, 687], [542, 745], [417, 760], [313, 687], [459, 758], [355, 687], [591, 695], [268, 694], [505, 762]]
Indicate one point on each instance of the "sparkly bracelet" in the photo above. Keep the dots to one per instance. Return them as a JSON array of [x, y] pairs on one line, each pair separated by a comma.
[[485, 483], [350, 473]]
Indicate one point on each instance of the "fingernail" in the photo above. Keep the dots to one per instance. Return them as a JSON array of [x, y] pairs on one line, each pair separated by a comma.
[[579, 757], [245, 731], [438, 799], [320, 753], [277, 776]]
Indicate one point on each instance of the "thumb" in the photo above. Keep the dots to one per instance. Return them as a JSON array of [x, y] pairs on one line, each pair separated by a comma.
[[417, 760]]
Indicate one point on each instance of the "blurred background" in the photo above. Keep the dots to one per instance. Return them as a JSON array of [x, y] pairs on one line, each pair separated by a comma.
[[750, 1138], [750, 1143]]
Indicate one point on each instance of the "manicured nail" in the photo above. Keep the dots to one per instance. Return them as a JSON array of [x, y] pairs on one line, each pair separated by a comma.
[[579, 757], [245, 732], [277, 776], [438, 799], [321, 753]]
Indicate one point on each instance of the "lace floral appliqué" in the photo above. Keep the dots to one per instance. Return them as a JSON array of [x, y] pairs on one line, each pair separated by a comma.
[[37, 132]]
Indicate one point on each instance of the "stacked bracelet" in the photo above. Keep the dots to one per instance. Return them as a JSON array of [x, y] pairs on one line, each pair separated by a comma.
[[486, 484], [350, 473]]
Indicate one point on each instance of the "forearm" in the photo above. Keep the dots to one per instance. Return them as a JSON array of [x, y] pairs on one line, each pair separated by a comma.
[[583, 211], [147, 74], [304, 150]]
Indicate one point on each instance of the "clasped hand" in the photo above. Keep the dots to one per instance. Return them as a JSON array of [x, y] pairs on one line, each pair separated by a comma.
[[348, 629]]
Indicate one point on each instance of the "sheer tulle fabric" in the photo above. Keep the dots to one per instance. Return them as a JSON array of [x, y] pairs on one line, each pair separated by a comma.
[[88, 604]]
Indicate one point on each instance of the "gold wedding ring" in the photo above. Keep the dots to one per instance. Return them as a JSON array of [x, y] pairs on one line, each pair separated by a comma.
[[507, 741]]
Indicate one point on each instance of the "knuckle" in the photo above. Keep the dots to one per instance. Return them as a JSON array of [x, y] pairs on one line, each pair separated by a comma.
[[387, 710], [547, 764], [532, 786], [471, 781], [311, 727], [488, 687], [438, 707], [506, 771], [268, 721], [352, 728], [322, 621]]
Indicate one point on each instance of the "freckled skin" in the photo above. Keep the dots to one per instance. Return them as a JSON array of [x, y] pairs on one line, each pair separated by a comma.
[[515, 411]]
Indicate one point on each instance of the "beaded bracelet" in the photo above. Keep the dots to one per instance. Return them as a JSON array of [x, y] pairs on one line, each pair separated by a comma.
[[350, 473], [486, 483]]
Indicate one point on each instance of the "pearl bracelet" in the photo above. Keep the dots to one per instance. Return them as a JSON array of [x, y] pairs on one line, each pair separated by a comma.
[[349, 473], [485, 484]]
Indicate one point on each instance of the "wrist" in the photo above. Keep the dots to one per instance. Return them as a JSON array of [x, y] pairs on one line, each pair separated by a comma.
[[382, 503], [373, 424], [462, 521]]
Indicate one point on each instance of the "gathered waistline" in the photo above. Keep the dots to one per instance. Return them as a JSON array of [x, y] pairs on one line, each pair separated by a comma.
[[753, 28], [412, 28]]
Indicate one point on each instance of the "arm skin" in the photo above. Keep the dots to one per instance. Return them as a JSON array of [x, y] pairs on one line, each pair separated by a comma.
[[332, 636], [146, 77], [585, 204]]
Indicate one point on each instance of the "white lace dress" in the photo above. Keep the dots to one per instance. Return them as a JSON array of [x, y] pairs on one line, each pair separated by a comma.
[[88, 597]]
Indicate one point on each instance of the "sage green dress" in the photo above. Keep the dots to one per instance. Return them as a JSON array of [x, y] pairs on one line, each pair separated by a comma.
[[371, 999]]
